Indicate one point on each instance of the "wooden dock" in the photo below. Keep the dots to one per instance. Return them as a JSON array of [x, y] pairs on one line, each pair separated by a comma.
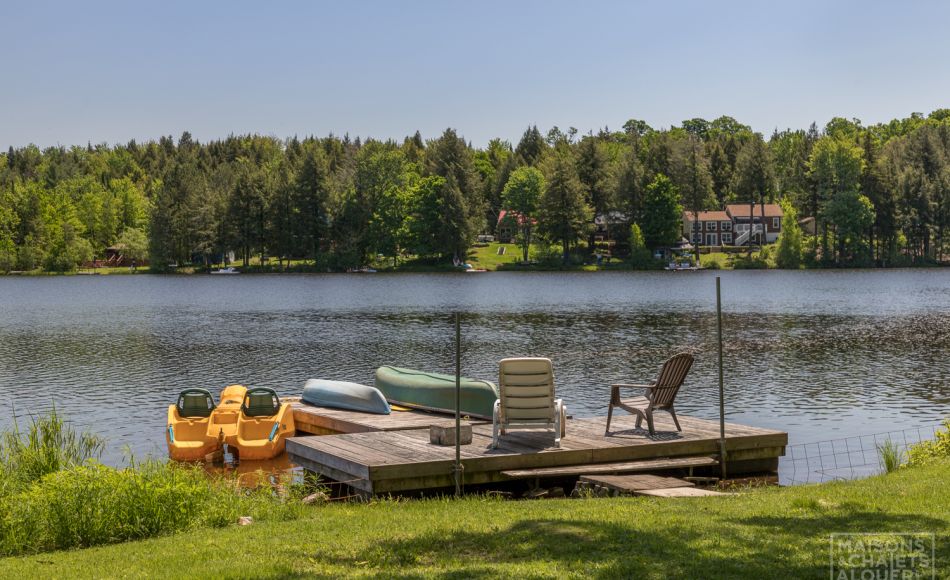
[[392, 453]]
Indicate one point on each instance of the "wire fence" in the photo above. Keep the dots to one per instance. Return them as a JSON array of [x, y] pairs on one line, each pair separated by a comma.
[[846, 458]]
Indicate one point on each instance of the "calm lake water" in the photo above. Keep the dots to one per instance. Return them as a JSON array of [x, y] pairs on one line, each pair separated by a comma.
[[821, 355]]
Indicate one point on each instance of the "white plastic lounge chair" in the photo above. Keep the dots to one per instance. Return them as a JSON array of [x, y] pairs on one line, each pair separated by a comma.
[[526, 388]]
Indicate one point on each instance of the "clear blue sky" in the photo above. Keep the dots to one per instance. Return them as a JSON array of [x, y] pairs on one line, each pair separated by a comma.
[[74, 72]]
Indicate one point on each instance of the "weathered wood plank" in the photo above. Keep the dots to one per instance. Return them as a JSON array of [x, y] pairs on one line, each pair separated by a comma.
[[631, 483], [679, 492], [343, 421], [614, 468]]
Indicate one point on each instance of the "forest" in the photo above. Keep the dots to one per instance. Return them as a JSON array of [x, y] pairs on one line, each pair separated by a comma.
[[880, 194]]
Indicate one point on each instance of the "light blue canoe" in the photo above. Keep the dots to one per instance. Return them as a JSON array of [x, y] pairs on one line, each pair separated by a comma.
[[344, 395]]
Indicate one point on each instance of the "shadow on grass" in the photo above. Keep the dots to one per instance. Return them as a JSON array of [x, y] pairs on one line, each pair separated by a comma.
[[794, 547]]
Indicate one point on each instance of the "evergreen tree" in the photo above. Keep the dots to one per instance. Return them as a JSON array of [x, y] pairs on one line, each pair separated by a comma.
[[594, 173], [311, 200], [754, 179], [564, 213], [692, 178], [451, 158], [630, 184], [531, 147]]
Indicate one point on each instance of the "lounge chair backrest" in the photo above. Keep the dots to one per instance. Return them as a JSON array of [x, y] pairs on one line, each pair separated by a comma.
[[671, 378], [195, 403], [260, 402], [526, 387]]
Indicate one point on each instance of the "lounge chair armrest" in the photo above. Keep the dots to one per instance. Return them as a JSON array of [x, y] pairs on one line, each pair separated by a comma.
[[633, 386]]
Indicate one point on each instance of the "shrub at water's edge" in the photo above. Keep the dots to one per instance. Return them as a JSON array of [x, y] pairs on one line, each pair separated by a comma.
[[54, 495], [933, 451]]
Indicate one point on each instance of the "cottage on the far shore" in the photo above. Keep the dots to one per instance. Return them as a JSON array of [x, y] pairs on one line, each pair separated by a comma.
[[732, 226]]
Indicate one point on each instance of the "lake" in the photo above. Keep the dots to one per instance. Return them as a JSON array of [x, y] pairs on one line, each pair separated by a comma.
[[820, 354]]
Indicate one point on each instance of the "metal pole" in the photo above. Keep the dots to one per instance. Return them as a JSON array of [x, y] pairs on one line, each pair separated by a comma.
[[722, 397], [458, 404]]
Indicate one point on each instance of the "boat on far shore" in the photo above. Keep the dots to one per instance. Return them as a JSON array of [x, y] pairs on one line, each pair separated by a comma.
[[675, 267], [228, 270]]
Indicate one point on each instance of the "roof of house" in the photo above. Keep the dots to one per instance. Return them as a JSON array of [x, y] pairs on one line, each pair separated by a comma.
[[708, 216], [742, 210], [519, 219]]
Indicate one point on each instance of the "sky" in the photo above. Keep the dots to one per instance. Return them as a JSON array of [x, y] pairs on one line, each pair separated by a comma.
[[78, 72]]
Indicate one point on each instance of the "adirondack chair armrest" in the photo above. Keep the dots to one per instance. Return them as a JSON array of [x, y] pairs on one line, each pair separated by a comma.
[[632, 386]]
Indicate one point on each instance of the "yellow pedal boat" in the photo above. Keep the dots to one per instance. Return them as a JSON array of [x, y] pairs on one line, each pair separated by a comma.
[[253, 421]]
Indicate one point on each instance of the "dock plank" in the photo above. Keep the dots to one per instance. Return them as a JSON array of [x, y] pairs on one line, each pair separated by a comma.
[[679, 492], [614, 468], [344, 421], [638, 482]]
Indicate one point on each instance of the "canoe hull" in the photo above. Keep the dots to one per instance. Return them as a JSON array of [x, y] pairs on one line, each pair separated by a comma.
[[345, 395], [435, 391]]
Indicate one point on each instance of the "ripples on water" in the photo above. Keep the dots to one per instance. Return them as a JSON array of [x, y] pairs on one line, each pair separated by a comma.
[[819, 354]]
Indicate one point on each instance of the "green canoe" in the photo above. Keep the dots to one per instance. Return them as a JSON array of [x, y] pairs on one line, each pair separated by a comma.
[[435, 392]]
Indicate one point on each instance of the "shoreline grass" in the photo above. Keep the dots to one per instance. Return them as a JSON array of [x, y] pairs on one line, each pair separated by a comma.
[[760, 533]]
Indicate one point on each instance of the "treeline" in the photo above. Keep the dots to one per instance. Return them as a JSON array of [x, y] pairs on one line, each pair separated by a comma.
[[879, 194]]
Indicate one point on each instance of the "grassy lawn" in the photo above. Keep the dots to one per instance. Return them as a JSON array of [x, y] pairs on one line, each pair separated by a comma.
[[765, 533], [487, 256]]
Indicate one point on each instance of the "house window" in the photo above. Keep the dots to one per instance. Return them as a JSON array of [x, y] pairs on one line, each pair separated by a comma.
[[697, 226], [776, 223], [697, 238], [711, 226], [742, 228], [726, 238], [725, 226], [711, 240]]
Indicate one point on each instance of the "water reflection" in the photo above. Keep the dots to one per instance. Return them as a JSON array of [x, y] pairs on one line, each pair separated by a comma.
[[820, 354]]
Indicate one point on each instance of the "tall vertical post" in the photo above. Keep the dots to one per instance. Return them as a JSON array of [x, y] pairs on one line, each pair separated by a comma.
[[722, 395], [458, 404]]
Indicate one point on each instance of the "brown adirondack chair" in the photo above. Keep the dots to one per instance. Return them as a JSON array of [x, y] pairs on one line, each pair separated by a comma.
[[658, 395]]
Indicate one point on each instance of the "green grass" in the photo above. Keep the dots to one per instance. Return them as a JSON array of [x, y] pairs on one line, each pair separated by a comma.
[[487, 256], [764, 533], [719, 258]]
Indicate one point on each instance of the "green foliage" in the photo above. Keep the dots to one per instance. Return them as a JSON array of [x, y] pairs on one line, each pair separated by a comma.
[[789, 245], [339, 202], [640, 255], [48, 445], [54, 496], [134, 244], [852, 215], [754, 179], [564, 213], [522, 195], [890, 455], [772, 532], [754, 262], [662, 215], [933, 451]]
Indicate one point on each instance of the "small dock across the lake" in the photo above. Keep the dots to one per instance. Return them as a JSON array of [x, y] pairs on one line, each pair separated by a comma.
[[392, 453]]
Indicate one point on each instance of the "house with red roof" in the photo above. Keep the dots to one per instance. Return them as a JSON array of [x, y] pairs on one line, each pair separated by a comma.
[[509, 225], [733, 225]]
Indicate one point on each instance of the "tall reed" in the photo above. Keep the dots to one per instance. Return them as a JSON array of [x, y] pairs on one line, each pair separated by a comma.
[[890, 455]]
